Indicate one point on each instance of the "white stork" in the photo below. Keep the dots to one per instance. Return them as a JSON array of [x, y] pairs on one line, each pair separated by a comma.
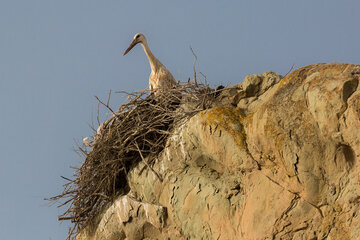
[[160, 78]]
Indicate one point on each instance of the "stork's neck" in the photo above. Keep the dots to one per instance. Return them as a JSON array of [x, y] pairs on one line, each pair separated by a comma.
[[155, 64]]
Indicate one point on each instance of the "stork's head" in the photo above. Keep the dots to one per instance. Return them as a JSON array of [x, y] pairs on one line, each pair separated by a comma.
[[138, 38]]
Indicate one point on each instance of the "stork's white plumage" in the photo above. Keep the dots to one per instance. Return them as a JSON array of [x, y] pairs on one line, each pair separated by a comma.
[[160, 78]]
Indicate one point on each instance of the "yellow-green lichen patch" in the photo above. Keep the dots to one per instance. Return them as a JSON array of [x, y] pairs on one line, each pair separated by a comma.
[[328, 70], [248, 119], [229, 119]]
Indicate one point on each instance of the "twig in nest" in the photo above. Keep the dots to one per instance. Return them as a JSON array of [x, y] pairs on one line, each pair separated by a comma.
[[204, 77], [107, 106], [194, 65], [66, 178], [142, 158], [107, 103], [98, 113], [65, 218]]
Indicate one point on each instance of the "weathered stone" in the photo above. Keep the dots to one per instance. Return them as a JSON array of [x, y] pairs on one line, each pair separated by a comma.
[[128, 219], [255, 85], [282, 164]]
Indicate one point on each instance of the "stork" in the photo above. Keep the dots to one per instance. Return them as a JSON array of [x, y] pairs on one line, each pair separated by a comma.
[[160, 78]]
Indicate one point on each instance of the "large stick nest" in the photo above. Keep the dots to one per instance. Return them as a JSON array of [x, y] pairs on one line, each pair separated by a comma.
[[139, 129]]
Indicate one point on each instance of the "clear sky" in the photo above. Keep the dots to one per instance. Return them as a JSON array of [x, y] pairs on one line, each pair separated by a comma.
[[56, 55]]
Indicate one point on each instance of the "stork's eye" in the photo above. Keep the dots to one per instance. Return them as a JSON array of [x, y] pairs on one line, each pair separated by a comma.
[[137, 36]]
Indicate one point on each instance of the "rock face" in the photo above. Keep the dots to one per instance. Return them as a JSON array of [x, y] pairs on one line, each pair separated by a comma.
[[277, 158]]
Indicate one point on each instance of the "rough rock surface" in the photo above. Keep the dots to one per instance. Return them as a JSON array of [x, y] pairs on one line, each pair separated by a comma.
[[277, 158]]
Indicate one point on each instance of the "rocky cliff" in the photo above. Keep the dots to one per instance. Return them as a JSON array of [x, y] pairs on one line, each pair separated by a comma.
[[277, 158]]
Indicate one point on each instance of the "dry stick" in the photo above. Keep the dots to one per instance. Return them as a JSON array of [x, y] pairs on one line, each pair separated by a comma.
[[194, 68], [289, 70], [204, 76], [134, 94], [128, 115], [142, 158], [107, 103], [132, 102], [108, 107], [97, 117], [66, 178], [70, 233], [65, 218]]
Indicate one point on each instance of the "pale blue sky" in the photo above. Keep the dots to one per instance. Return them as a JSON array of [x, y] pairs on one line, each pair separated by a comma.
[[56, 55]]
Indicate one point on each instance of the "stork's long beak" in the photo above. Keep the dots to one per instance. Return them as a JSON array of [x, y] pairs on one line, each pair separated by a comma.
[[132, 44]]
